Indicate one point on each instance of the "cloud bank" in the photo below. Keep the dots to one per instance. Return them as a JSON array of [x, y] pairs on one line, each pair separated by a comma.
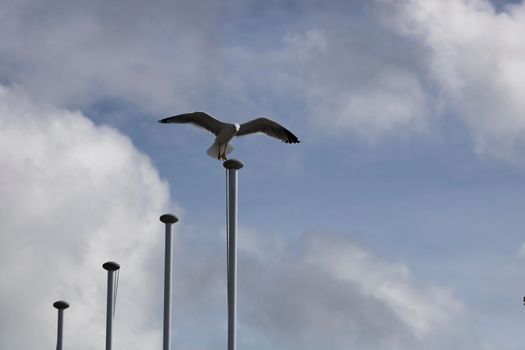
[[176, 56], [74, 195], [328, 290]]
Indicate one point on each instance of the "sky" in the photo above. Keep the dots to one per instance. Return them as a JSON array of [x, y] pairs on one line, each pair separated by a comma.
[[396, 223]]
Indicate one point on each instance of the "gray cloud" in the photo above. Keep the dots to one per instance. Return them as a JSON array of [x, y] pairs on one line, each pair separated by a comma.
[[330, 291], [73, 53], [169, 56]]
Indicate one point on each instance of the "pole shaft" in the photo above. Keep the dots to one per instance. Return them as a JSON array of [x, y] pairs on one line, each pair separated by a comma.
[[232, 257], [109, 309], [166, 341], [60, 329]]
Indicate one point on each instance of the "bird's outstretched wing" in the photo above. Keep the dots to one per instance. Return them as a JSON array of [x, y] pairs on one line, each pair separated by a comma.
[[269, 127], [200, 119]]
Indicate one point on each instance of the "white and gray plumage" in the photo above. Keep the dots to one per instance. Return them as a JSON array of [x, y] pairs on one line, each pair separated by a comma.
[[224, 132]]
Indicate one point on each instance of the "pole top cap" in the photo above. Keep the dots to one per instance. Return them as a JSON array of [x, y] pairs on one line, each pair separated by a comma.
[[169, 218], [233, 164], [111, 266], [61, 304]]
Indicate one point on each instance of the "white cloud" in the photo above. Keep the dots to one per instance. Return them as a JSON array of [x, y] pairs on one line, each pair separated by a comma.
[[477, 58], [395, 102], [74, 195], [422, 309]]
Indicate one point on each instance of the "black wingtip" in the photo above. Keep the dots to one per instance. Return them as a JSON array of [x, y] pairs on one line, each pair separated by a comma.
[[290, 137], [163, 121]]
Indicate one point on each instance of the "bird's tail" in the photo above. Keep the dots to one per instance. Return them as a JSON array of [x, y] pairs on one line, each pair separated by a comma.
[[214, 150]]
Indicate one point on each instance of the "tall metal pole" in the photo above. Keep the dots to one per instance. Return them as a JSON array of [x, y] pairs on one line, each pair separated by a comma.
[[111, 267], [168, 220], [61, 306], [232, 165]]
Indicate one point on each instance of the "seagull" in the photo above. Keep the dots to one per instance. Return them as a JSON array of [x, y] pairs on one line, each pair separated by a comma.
[[224, 132]]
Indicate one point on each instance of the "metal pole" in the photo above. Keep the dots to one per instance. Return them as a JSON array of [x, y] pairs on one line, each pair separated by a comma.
[[232, 165], [111, 267], [61, 306], [168, 220]]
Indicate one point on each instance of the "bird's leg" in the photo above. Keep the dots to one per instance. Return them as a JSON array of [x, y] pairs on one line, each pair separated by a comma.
[[222, 156]]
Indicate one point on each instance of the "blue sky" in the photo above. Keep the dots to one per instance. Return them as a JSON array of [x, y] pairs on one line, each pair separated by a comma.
[[395, 224]]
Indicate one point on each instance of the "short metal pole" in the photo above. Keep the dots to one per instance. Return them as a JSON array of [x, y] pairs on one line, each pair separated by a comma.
[[168, 220], [232, 165], [61, 306], [111, 267]]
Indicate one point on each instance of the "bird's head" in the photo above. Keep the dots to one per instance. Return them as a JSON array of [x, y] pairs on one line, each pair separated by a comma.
[[236, 126]]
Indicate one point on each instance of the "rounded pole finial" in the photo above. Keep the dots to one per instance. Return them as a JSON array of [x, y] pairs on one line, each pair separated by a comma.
[[111, 266], [61, 304], [169, 218], [233, 164]]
